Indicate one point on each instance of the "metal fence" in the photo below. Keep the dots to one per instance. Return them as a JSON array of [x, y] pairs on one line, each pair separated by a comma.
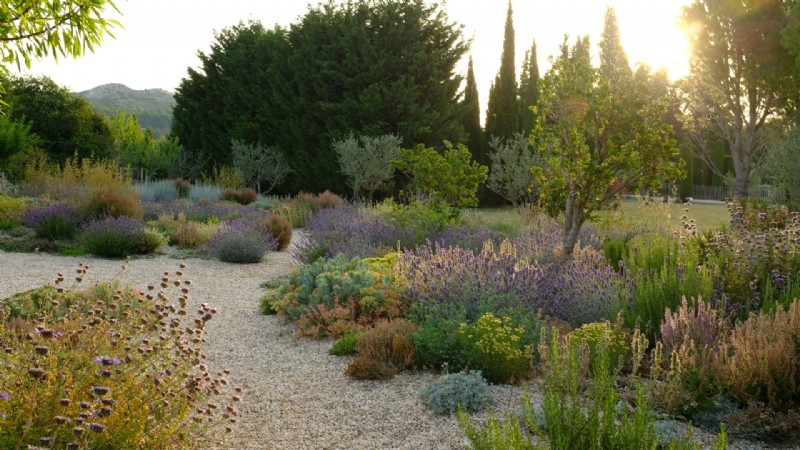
[[763, 192]]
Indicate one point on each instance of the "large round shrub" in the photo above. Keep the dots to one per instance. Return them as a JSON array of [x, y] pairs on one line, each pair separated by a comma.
[[10, 210], [239, 241]]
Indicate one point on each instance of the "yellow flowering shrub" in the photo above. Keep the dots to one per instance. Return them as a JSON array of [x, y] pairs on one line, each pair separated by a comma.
[[495, 347]]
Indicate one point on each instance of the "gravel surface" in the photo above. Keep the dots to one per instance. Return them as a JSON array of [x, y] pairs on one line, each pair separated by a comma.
[[297, 396]]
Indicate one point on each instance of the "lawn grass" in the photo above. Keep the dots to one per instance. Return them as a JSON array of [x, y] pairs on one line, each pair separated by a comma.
[[655, 215]]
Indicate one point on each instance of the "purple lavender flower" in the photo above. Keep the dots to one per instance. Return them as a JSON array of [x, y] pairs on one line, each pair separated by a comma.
[[53, 221], [114, 237], [4, 396], [107, 361]]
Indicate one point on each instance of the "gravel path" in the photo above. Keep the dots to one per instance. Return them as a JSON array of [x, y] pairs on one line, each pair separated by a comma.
[[296, 394]]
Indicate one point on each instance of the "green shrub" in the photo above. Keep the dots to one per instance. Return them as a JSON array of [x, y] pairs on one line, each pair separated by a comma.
[[113, 204], [495, 347], [152, 240], [332, 297], [597, 335], [438, 344], [193, 234], [465, 390], [10, 211], [78, 373], [19, 239], [346, 345]]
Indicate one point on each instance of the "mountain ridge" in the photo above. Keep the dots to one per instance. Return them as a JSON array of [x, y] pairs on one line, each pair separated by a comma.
[[152, 107]]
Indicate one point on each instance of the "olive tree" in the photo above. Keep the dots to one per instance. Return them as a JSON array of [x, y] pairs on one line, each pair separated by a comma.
[[510, 175], [366, 161], [259, 163]]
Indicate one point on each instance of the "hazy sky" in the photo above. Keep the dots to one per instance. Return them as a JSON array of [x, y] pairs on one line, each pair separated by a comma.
[[161, 38]]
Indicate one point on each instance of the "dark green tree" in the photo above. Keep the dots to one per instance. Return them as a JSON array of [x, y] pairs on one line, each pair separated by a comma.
[[740, 79], [502, 115], [66, 124], [472, 116], [528, 89], [366, 67]]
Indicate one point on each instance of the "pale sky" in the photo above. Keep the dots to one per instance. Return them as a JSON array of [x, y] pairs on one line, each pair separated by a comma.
[[161, 38]]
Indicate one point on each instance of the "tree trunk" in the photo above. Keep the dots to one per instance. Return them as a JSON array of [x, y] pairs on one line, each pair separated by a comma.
[[741, 166], [573, 221]]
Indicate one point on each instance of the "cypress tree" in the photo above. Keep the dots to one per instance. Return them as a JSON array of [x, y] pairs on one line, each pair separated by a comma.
[[528, 89], [472, 116], [502, 116]]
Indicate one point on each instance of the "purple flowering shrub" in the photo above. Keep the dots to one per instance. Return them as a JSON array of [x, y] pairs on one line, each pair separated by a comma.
[[469, 237], [582, 290], [115, 237], [240, 241], [54, 221], [696, 323], [202, 211], [114, 369], [351, 232]]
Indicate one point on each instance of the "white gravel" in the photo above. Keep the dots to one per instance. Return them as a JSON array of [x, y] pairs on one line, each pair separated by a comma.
[[297, 396]]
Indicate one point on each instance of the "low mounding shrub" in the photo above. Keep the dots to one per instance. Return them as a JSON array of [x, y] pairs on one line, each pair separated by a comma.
[[324, 200], [383, 351], [55, 221], [465, 390], [113, 203], [697, 323], [333, 297], [94, 370], [115, 237], [242, 196], [496, 348], [347, 231], [581, 290], [242, 242], [157, 191], [760, 359], [10, 210], [280, 228], [193, 234], [469, 237], [346, 345]]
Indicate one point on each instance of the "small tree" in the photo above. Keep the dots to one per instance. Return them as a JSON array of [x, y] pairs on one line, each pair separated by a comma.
[[453, 177], [367, 165], [601, 132], [510, 175], [259, 163]]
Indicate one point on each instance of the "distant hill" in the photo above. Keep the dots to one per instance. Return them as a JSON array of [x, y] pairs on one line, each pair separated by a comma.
[[152, 107]]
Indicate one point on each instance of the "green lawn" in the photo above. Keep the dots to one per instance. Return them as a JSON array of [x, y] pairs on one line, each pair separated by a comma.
[[707, 216]]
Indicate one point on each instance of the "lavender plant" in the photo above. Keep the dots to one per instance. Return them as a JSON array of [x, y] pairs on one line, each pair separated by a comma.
[[115, 237], [110, 367], [240, 241], [54, 221]]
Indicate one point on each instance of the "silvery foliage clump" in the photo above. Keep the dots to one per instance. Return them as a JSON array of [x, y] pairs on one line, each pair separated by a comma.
[[365, 161], [510, 175], [467, 390]]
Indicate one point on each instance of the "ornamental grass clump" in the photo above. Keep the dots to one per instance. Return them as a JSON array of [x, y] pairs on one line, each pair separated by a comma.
[[465, 390], [243, 242], [109, 367], [54, 221], [113, 203], [333, 297], [118, 237], [280, 228]]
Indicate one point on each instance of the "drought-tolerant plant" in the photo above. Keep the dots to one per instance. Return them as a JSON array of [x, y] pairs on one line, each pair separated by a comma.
[[193, 234], [10, 210], [243, 242], [112, 203], [208, 192], [259, 163], [383, 351], [280, 228], [115, 237], [346, 344], [109, 367], [183, 187], [242, 196], [324, 200], [696, 322], [603, 337], [332, 297], [157, 191], [54, 221], [465, 390], [366, 161], [496, 348]]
